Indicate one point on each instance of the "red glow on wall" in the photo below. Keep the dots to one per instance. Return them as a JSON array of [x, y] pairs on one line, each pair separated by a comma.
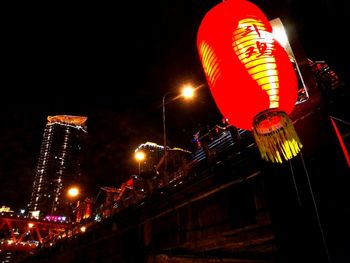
[[341, 142]]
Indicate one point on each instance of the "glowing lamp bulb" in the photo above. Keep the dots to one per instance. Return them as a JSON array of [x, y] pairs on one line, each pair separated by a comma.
[[73, 192]]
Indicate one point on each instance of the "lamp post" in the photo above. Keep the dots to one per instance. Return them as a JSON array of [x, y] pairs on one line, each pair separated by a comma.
[[187, 92], [139, 156], [164, 135], [73, 193]]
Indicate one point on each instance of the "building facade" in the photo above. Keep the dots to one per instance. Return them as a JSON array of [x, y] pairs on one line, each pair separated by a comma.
[[59, 165]]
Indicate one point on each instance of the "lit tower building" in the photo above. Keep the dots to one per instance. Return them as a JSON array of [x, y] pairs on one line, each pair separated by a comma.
[[58, 166]]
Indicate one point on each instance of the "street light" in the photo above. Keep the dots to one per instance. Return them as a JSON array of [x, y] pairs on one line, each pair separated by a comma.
[[187, 92], [139, 156], [73, 191], [73, 202]]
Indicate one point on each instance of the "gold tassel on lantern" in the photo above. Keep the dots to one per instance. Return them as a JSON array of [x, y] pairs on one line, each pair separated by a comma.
[[275, 136]]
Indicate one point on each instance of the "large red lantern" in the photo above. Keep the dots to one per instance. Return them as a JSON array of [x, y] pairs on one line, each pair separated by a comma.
[[250, 76]]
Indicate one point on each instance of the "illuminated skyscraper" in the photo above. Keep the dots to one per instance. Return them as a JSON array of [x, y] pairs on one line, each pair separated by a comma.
[[59, 165]]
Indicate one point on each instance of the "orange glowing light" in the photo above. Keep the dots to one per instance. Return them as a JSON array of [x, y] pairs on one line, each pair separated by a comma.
[[68, 119], [73, 191]]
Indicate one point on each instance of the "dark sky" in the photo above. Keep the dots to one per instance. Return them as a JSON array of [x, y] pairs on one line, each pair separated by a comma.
[[114, 63]]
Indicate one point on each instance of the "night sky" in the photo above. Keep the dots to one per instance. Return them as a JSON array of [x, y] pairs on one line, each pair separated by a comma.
[[113, 64]]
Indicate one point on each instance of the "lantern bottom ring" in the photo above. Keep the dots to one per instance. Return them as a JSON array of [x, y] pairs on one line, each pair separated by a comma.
[[275, 136]]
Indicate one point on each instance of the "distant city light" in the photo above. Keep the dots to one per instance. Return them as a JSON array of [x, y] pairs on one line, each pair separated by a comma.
[[73, 192], [55, 218], [5, 209]]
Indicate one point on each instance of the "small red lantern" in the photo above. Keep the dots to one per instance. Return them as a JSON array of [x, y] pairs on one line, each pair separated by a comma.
[[250, 76]]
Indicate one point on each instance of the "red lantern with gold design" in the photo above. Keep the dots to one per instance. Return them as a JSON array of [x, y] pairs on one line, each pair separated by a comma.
[[250, 76]]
